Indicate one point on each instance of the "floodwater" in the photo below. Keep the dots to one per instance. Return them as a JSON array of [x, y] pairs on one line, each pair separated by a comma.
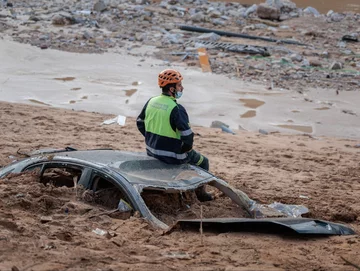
[[323, 6], [300, 128], [103, 83]]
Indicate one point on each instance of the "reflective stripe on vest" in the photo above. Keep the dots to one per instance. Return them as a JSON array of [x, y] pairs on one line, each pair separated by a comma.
[[157, 120], [179, 156]]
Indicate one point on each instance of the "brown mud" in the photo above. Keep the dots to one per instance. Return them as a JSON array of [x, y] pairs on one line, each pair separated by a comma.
[[49, 228]]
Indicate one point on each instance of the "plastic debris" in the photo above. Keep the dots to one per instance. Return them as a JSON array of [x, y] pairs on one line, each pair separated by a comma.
[[289, 210], [304, 197], [223, 126], [99, 232], [123, 206], [119, 120], [204, 60]]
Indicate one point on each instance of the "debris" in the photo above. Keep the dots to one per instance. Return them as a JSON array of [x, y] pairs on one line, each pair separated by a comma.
[[336, 66], [119, 120], [224, 127], [264, 132], [178, 255], [304, 197], [289, 210], [99, 232], [204, 60], [123, 206], [231, 34], [45, 219], [352, 37], [350, 112], [357, 146]]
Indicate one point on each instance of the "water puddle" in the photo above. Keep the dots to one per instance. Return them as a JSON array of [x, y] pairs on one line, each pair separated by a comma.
[[295, 111], [75, 89], [84, 97], [300, 128], [38, 102], [252, 103], [72, 102], [130, 92], [249, 114], [323, 108], [65, 79]]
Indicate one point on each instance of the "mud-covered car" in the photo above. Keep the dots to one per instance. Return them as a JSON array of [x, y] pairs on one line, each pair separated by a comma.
[[163, 194]]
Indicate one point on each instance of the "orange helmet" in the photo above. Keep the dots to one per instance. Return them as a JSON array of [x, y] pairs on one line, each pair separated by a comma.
[[168, 77]]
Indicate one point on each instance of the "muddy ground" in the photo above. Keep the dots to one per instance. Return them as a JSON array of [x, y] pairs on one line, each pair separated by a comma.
[[274, 167]]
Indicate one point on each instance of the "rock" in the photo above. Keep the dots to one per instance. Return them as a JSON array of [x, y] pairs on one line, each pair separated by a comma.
[[218, 22], [265, 11], [336, 17], [100, 6], [336, 66], [285, 6], [86, 35], [325, 54], [311, 11], [329, 13], [315, 62], [44, 46], [59, 20], [214, 14], [208, 37], [34, 18], [250, 10], [198, 17], [305, 63], [341, 44], [296, 57]]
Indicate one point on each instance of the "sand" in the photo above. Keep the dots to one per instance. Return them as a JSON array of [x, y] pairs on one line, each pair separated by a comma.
[[321, 173]]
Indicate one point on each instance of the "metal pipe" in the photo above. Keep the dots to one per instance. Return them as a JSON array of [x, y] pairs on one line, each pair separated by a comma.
[[232, 34]]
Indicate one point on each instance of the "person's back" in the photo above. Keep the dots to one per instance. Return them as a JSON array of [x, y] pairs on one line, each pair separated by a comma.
[[166, 127]]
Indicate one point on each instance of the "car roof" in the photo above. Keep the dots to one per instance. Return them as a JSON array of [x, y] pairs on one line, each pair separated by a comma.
[[140, 169]]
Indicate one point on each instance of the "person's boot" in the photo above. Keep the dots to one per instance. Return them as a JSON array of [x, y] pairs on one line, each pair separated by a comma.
[[202, 195]]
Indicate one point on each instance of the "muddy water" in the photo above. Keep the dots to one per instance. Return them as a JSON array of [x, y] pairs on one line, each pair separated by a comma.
[[323, 6]]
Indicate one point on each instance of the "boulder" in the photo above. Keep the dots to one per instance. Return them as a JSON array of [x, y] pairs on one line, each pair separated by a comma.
[[265, 11], [285, 6], [100, 6]]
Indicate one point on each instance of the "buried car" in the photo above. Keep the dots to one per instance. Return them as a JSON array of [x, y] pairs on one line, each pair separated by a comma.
[[163, 194]]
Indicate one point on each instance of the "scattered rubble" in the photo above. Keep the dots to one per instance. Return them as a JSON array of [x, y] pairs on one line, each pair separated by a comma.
[[309, 45]]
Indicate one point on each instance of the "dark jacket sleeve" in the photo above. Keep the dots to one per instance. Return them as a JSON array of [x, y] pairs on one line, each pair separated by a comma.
[[179, 120], [140, 121]]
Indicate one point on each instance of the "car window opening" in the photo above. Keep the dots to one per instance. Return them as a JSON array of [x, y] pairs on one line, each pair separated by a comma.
[[107, 195], [61, 176], [170, 207]]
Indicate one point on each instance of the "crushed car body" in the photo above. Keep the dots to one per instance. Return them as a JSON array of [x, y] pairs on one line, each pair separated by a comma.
[[134, 174]]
